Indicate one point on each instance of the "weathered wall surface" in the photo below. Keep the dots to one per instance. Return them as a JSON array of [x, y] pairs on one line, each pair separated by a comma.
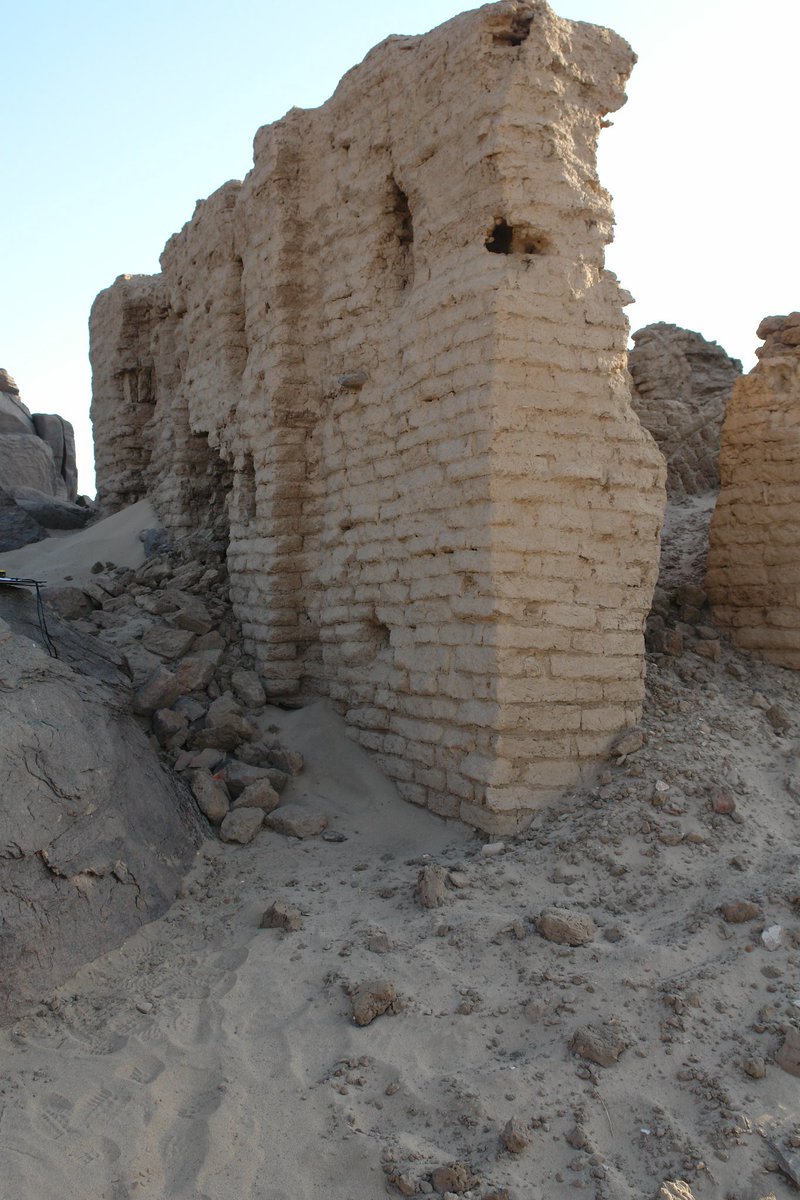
[[681, 385], [393, 360], [753, 559]]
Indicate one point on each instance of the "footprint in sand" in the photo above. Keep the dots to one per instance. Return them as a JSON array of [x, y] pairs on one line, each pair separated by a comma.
[[54, 1114], [144, 1071]]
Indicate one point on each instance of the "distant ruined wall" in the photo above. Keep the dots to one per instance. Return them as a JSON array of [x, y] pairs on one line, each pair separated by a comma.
[[394, 360], [681, 385], [754, 553]]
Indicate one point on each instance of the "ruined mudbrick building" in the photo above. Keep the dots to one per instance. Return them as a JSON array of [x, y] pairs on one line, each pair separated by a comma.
[[753, 558], [392, 364]]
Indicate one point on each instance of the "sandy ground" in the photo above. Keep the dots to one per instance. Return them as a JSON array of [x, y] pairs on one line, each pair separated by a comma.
[[208, 1058], [68, 558]]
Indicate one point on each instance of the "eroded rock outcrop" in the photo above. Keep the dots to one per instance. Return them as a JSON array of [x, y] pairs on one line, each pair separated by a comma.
[[95, 834], [682, 383], [753, 563], [38, 472], [389, 368]]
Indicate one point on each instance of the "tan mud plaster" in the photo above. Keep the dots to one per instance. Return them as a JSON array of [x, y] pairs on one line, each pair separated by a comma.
[[753, 560], [392, 363]]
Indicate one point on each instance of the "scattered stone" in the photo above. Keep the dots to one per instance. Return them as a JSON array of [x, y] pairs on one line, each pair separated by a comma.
[[566, 926], [333, 835], [788, 1164], [208, 759], [629, 743], [738, 911], [280, 915], [431, 886], [403, 1183], [238, 775], [371, 999], [168, 643], [169, 727], [676, 1189], [722, 800], [260, 794], [601, 1044], [288, 761], [709, 649], [456, 1177], [772, 937], [458, 879], [211, 796], [779, 718], [160, 690], [378, 941], [249, 689], [788, 1057], [515, 1136], [492, 849], [241, 825], [296, 821], [577, 1138], [194, 673], [756, 1068]]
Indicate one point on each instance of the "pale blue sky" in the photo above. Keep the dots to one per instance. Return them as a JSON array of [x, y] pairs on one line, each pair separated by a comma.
[[116, 118]]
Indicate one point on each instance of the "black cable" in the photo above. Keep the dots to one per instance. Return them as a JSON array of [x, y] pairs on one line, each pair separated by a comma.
[[48, 641], [49, 644]]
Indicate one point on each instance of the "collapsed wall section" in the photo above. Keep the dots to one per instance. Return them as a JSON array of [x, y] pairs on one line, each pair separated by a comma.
[[753, 563], [398, 336]]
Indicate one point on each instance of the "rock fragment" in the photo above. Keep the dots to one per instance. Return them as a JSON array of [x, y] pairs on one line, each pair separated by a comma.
[[297, 821], [722, 799], [160, 690], [432, 886], [211, 796], [371, 999], [456, 1177], [779, 718], [675, 1189], [241, 825], [736, 912], [788, 1057], [280, 915], [168, 643], [566, 927], [601, 1044], [756, 1068], [515, 1136], [249, 689], [260, 794]]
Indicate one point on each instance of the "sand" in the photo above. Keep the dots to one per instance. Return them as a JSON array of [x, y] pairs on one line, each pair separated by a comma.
[[69, 558], [208, 1058]]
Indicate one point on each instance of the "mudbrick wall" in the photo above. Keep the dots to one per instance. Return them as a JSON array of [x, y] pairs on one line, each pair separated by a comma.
[[681, 385], [753, 559], [392, 361]]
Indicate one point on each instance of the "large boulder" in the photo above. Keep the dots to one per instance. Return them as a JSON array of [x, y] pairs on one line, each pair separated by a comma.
[[27, 461], [96, 834], [17, 527], [51, 511], [60, 437]]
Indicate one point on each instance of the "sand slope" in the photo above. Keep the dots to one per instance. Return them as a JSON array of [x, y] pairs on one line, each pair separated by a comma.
[[208, 1058], [69, 558]]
